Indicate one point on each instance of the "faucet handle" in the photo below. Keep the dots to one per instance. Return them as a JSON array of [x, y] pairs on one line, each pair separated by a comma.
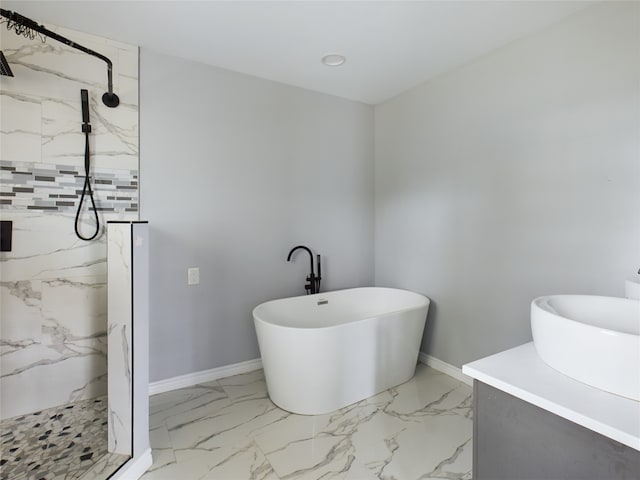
[[311, 286]]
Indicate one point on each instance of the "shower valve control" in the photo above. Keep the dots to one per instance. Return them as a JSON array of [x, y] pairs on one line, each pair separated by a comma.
[[6, 232], [193, 276]]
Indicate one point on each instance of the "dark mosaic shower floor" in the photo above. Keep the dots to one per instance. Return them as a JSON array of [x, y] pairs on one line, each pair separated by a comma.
[[60, 442]]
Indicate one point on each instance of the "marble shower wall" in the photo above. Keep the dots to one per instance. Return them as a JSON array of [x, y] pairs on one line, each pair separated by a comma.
[[53, 293], [120, 270], [128, 273]]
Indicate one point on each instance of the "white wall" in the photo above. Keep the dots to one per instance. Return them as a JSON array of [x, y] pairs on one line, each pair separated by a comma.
[[236, 171], [515, 176]]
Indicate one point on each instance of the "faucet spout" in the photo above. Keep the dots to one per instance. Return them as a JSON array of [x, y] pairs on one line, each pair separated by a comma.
[[303, 248]]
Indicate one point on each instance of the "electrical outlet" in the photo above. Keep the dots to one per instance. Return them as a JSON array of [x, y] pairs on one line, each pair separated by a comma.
[[193, 276]]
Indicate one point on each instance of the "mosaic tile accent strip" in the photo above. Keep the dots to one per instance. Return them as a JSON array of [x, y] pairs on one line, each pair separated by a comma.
[[52, 443], [58, 188]]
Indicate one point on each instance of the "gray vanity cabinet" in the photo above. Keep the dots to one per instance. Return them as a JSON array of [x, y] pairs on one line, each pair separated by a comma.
[[513, 440]]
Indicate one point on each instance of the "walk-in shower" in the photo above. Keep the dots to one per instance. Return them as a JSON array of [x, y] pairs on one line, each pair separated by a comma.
[[65, 410]]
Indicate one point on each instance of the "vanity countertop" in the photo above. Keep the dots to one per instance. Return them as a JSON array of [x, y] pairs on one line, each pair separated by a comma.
[[521, 373]]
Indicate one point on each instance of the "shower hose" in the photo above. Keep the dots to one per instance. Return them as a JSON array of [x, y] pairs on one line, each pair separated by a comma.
[[86, 189]]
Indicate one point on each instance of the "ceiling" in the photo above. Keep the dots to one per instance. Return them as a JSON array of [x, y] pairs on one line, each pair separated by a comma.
[[390, 46]]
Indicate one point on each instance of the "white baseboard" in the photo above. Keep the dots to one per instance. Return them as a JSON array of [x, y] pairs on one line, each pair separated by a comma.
[[191, 379], [134, 468], [203, 376], [445, 367]]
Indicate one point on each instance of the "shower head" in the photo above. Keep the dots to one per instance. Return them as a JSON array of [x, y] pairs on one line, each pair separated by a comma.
[[5, 69], [30, 29]]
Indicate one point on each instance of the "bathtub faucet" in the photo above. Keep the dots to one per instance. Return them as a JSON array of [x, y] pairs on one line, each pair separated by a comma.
[[314, 281]]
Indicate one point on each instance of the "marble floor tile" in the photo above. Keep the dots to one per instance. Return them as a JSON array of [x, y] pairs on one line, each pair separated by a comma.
[[230, 425], [161, 449], [431, 449], [357, 471], [248, 463], [176, 398], [245, 385], [323, 456], [103, 468], [229, 429], [194, 469], [187, 403]]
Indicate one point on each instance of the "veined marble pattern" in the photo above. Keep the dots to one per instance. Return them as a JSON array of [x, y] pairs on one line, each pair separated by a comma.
[[52, 316], [229, 429], [54, 342], [62, 71], [119, 250], [53, 302]]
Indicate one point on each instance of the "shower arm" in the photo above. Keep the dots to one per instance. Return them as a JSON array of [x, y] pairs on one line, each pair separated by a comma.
[[110, 99]]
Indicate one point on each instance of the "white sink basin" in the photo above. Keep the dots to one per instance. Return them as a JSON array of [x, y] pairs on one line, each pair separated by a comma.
[[595, 340], [632, 287]]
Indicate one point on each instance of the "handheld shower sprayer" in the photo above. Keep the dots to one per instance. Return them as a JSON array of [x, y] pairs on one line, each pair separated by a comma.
[[84, 98], [30, 29], [86, 188]]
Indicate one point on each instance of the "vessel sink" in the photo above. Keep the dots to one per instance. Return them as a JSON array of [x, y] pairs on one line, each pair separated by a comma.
[[592, 339], [632, 287]]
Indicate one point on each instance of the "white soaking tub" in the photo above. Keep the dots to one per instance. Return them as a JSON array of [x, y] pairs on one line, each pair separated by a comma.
[[325, 351]]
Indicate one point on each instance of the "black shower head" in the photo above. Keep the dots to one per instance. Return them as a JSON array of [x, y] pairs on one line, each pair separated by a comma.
[[5, 69], [30, 29]]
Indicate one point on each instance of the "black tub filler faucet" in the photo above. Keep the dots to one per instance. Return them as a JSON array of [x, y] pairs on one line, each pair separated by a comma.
[[314, 281]]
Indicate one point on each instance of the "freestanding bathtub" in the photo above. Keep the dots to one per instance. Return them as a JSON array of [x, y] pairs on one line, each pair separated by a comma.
[[325, 351]]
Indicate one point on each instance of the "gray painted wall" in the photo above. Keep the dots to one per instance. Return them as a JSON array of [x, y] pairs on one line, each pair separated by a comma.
[[514, 176], [236, 171]]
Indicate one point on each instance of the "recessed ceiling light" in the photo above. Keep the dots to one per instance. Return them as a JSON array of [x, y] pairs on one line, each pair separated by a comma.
[[333, 60]]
